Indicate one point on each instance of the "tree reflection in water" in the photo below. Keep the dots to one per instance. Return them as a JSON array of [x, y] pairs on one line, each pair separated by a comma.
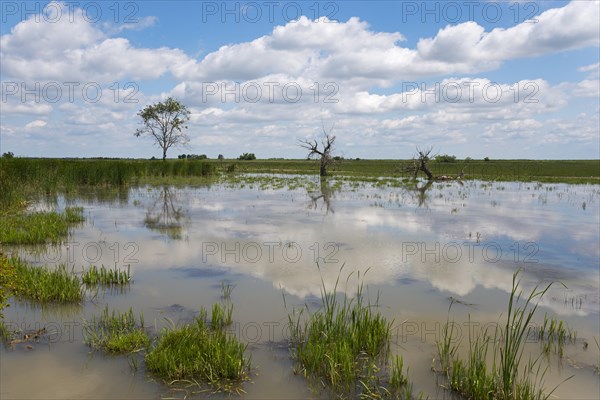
[[165, 216]]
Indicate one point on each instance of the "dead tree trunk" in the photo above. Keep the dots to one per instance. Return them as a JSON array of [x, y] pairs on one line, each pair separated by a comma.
[[420, 164], [325, 154]]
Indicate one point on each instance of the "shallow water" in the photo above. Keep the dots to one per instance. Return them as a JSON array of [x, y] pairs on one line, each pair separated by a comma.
[[265, 235]]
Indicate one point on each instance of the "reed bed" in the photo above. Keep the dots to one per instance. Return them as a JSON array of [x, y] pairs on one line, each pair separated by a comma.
[[116, 332], [23, 179]]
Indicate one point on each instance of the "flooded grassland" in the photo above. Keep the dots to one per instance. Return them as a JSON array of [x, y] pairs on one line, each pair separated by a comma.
[[270, 244]]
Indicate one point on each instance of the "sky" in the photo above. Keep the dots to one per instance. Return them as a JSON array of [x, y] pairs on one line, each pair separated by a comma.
[[505, 80]]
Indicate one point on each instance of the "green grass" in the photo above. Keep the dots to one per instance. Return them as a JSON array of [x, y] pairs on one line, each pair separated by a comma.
[[400, 385], [200, 352], [345, 344], [507, 375], [20, 227], [221, 316], [45, 285], [103, 276], [115, 332], [8, 277], [568, 171]]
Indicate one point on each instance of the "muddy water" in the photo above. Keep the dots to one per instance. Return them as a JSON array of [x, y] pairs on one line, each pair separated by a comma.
[[416, 248]]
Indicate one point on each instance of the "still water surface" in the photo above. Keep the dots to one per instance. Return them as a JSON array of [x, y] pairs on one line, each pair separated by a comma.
[[416, 249]]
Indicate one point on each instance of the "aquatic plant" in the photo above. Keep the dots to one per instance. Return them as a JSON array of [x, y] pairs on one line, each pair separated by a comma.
[[116, 332]]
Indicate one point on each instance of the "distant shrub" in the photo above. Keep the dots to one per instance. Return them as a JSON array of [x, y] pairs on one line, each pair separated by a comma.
[[486, 159], [192, 156], [467, 159], [445, 158], [247, 156], [10, 154], [221, 157]]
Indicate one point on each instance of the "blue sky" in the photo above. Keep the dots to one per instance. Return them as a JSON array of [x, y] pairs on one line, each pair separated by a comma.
[[500, 79]]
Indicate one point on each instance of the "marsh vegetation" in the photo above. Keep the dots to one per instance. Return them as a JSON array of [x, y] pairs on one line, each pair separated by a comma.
[[188, 232]]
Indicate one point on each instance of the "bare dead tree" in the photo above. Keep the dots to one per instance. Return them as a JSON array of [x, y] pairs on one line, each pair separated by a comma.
[[421, 163], [325, 153]]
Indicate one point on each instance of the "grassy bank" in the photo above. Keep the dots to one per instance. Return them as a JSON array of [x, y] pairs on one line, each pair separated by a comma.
[[568, 171]]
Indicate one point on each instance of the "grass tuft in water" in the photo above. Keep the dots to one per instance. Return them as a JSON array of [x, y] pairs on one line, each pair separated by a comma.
[[201, 352], [115, 332], [103, 276], [45, 285], [20, 227], [345, 344]]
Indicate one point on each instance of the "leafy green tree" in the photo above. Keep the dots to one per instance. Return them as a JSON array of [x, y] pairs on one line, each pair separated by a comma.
[[165, 122], [247, 156]]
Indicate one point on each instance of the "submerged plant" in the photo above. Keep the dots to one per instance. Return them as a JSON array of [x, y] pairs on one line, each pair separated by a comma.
[[226, 290], [553, 334]]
